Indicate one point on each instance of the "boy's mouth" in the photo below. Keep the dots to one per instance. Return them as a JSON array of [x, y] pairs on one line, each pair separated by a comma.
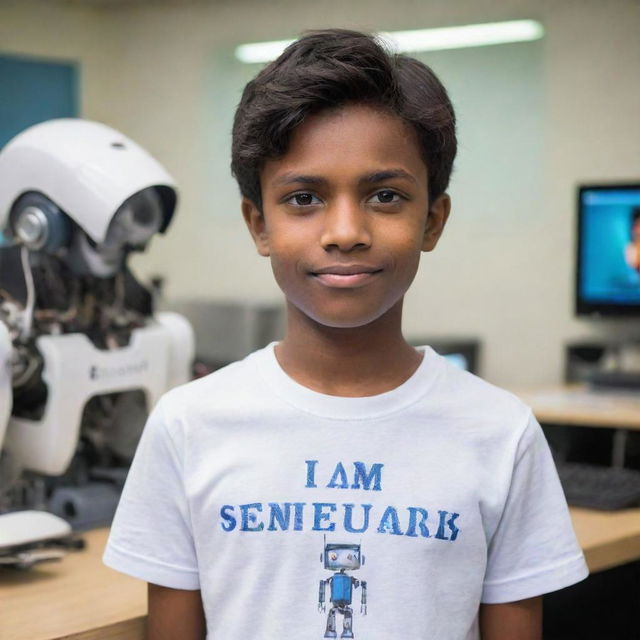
[[346, 275]]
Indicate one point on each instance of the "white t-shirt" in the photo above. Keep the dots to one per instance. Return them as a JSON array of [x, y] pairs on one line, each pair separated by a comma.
[[446, 483]]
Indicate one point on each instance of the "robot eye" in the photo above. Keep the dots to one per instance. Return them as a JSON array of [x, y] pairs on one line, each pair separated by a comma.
[[350, 556], [334, 556]]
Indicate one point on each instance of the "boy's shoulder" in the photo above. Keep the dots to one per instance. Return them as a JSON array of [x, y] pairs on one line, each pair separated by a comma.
[[227, 386], [467, 395]]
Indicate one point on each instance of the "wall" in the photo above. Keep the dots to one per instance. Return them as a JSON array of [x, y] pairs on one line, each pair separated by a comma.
[[163, 73], [67, 33]]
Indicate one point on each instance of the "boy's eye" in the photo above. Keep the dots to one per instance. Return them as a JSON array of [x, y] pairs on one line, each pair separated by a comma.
[[303, 199], [386, 196]]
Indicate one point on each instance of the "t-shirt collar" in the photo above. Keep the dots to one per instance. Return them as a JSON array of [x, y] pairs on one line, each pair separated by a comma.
[[344, 408]]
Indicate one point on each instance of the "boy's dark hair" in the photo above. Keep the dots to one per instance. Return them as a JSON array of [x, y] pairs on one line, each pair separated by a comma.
[[332, 68]]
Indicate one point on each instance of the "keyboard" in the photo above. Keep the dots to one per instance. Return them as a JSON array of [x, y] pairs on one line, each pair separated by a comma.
[[597, 487]]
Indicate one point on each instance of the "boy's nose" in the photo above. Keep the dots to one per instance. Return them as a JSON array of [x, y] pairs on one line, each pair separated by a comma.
[[345, 227]]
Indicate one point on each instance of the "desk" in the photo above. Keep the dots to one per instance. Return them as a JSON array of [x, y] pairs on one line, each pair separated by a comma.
[[608, 539], [577, 405], [77, 599]]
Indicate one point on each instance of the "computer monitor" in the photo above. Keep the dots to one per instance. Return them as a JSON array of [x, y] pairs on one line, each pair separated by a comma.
[[608, 250], [464, 353]]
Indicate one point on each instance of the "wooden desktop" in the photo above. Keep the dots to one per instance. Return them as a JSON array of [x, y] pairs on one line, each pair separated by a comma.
[[579, 406], [81, 599], [608, 539], [78, 598]]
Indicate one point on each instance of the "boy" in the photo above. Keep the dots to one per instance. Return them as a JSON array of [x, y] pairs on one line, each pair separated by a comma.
[[341, 469]]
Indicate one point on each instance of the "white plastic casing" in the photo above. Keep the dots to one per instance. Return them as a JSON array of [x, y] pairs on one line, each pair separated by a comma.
[[86, 168], [158, 357], [27, 527], [6, 392]]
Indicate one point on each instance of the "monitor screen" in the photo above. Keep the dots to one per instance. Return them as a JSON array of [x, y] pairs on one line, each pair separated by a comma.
[[608, 255]]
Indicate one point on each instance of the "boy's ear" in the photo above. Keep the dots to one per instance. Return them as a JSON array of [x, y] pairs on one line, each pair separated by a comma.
[[436, 219], [256, 225]]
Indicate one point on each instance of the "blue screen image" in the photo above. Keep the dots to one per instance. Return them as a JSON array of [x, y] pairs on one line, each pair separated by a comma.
[[608, 275]]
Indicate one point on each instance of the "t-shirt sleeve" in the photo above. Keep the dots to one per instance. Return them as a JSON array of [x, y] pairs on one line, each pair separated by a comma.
[[151, 535], [533, 549]]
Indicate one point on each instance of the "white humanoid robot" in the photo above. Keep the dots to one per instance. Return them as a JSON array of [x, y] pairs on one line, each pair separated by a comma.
[[83, 357]]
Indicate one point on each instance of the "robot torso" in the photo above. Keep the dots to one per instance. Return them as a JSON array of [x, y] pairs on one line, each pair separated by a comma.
[[341, 589]]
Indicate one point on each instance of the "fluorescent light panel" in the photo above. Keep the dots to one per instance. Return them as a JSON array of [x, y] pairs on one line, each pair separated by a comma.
[[472, 35]]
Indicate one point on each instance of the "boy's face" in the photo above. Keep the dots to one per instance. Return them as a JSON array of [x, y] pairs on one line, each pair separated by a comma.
[[345, 215]]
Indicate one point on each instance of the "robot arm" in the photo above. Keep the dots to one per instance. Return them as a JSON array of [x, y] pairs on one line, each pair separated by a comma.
[[363, 598], [27, 536], [321, 596]]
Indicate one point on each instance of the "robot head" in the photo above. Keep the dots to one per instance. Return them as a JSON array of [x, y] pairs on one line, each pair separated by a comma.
[[131, 228], [342, 556], [84, 187]]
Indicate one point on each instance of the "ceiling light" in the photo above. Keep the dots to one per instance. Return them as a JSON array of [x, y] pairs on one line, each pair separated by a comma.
[[471, 35]]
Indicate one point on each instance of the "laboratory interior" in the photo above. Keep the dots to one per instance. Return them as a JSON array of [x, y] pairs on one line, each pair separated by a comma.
[[127, 272]]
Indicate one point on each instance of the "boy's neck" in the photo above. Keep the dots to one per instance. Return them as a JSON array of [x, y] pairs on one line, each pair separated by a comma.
[[357, 362]]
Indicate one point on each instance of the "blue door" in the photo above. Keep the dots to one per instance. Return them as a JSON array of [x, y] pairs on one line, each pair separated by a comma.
[[33, 90]]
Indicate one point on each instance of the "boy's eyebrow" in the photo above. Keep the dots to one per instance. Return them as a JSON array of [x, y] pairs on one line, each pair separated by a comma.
[[387, 174], [376, 176], [292, 178]]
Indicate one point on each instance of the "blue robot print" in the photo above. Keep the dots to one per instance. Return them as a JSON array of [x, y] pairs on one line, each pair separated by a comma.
[[341, 558]]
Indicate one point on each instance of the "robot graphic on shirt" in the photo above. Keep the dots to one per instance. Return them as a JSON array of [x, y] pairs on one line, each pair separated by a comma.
[[340, 558]]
